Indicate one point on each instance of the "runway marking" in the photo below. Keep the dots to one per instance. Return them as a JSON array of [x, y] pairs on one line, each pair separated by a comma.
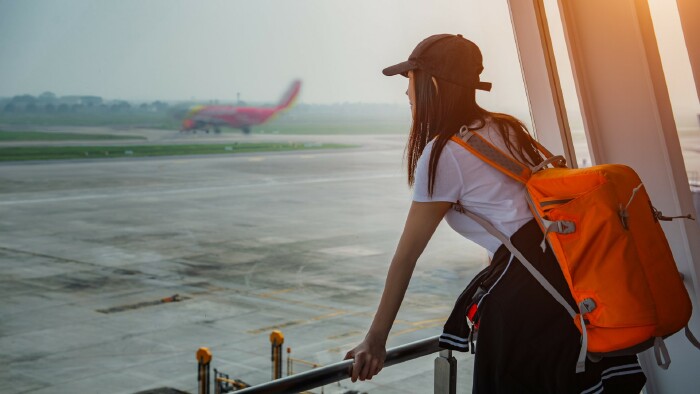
[[440, 320], [420, 325], [273, 293], [256, 158], [295, 323], [342, 348], [309, 305], [329, 315], [351, 251], [47, 256], [276, 326], [121, 195], [417, 326], [345, 335]]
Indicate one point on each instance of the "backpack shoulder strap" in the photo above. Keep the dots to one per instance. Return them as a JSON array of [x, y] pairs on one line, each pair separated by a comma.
[[493, 156], [491, 229]]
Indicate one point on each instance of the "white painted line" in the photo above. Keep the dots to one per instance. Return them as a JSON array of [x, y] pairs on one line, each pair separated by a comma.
[[122, 194], [351, 251]]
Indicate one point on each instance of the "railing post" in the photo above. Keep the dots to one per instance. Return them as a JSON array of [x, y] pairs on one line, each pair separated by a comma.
[[445, 373], [217, 383]]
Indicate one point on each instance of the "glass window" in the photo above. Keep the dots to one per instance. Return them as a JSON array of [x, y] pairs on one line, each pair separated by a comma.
[[166, 185]]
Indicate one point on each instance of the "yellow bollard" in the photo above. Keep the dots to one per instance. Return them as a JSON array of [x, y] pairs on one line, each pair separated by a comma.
[[203, 359], [276, 340]]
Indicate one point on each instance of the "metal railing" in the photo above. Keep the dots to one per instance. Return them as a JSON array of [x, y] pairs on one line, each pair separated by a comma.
[[223, 383], [445, 370]]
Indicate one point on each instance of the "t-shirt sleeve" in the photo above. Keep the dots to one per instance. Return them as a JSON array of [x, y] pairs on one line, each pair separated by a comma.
[[448, 177]]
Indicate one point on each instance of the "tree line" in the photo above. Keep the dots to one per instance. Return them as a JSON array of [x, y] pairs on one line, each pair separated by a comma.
[[49, 102]]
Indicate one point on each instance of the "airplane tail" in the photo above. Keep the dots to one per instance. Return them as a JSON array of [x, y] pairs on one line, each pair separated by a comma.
[[290, 95]]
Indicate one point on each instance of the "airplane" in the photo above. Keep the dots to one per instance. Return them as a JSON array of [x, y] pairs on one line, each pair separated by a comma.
[[206, 117]]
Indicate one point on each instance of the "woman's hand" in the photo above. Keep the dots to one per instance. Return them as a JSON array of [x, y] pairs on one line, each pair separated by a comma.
[[423, 218], [369, 358]]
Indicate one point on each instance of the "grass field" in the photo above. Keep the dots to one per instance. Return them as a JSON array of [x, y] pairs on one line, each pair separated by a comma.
[[288, 123], [11, 136], [106, 152], [156, 120]]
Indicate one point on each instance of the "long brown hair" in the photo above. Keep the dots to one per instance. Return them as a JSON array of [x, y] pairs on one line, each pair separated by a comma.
[[441, 111]]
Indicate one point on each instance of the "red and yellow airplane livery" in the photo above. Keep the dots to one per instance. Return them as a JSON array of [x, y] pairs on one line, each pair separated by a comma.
[[204, 117]]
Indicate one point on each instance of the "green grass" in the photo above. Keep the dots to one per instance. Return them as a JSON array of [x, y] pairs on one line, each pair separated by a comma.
[[105, 152], [157, 120], [10, 136], [284, 124]]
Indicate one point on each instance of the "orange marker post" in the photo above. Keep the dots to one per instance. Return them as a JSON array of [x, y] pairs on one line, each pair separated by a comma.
[[203, 360], [276, 340]]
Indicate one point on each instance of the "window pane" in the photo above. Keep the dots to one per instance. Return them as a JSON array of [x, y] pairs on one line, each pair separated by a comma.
[[139, 223], [681, 86]]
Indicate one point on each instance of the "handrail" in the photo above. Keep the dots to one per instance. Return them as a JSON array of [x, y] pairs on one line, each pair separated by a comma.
[[336, 372]]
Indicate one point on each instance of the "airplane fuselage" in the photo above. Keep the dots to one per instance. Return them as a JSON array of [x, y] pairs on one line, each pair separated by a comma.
[[235, 117], [203, 117]]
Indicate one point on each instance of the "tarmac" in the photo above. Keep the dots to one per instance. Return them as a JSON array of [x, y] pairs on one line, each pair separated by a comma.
[[296, 241], [250, 243]]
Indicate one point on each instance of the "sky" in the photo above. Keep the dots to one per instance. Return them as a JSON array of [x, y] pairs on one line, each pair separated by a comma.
[[214, 49], [177, 50]]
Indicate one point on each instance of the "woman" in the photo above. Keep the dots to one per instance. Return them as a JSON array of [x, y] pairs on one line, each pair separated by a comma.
[[527, 342]]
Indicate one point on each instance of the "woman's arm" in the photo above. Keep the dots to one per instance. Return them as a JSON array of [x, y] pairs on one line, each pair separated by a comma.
[[423, 218]]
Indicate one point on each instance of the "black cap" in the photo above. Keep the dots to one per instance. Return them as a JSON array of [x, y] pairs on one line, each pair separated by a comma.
[[449, 57]]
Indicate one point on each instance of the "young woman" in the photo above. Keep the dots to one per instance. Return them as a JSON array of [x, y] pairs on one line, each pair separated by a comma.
[[527, 343]]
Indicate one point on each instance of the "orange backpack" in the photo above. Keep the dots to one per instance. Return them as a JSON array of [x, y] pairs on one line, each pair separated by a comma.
[[606, 236]]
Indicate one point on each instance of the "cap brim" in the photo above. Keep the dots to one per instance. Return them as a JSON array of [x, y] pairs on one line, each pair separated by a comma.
[[402, 68]]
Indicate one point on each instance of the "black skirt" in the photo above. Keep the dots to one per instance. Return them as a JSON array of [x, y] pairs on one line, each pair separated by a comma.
[[527, 342]]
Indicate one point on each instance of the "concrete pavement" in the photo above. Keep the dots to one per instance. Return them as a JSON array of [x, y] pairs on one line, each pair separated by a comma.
[[295, 241]]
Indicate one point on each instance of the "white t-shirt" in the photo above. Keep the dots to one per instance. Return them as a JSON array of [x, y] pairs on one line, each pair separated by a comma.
[[483, 190]]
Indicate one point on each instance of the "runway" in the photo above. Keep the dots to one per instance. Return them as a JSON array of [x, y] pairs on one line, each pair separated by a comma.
[[295, 241]]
